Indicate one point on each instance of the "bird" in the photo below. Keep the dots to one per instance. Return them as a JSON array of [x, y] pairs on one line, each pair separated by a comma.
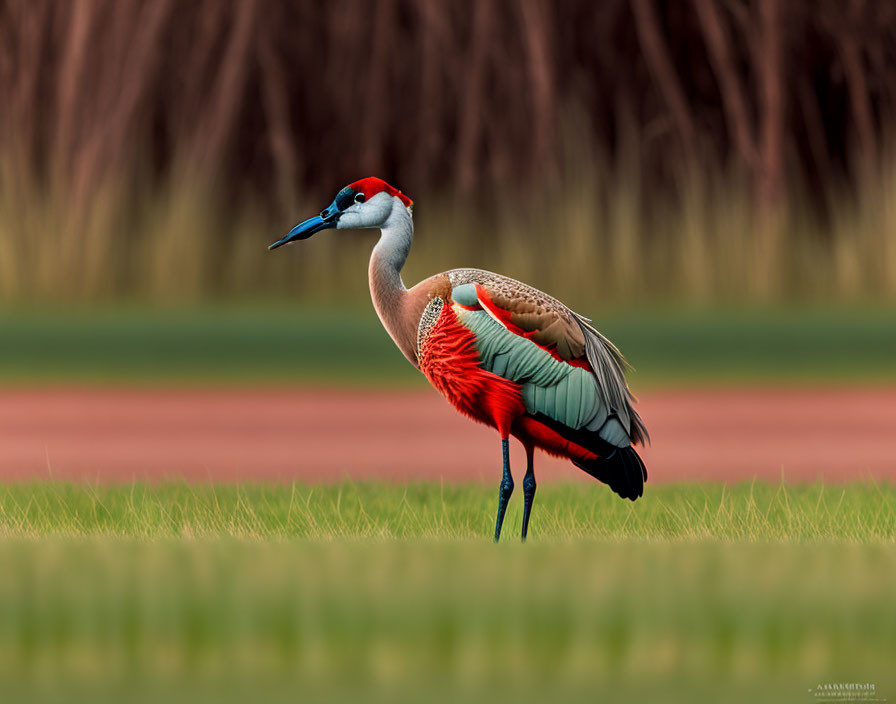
[[502, 352]]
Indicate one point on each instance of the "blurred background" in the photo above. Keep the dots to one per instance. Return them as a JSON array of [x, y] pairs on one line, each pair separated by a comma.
[[621, 152], [713, 182]]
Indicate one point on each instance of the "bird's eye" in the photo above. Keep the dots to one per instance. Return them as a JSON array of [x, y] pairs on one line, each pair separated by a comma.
[[360, 198]]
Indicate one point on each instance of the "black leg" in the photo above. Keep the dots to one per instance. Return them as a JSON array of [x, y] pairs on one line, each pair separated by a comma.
[[506, 487], [528, 490]]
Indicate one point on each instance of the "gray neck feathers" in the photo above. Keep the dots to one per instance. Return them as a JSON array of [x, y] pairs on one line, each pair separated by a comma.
[[391, 252], [386, 287]]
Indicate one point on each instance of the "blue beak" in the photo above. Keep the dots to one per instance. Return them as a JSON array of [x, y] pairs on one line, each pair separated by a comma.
[[327, 219], [305, 229]]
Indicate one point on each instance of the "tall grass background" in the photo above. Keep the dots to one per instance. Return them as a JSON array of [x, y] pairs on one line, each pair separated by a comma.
[[610, 153], [601, 242]]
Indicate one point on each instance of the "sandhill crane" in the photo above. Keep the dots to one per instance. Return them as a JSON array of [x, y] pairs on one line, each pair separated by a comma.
[[502, 352]]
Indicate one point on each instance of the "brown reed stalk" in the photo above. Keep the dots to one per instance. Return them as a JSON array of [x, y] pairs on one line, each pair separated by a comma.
[[112, 112]]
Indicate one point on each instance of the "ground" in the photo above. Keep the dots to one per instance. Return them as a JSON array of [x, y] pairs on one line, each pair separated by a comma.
[[318, 576], [385, 592]]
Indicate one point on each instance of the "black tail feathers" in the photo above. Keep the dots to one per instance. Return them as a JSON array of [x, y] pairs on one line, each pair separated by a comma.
[[622, 470]]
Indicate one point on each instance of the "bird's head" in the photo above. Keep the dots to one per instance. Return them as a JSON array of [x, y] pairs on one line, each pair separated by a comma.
[[367, 203]]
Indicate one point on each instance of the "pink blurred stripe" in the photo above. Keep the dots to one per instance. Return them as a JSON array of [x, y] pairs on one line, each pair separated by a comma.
[[121, 435]]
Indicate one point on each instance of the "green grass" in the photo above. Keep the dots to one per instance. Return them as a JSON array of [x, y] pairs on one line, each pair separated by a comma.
[[312, 346], [381, 511], [373, 592], [447, 621]]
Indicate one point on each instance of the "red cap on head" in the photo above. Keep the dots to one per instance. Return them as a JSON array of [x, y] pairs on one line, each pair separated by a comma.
[[371, 186]]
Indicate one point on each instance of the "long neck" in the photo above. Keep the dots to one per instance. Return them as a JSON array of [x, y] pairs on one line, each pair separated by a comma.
[[386, 287]]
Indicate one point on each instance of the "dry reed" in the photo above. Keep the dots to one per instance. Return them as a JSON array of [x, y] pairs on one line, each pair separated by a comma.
[[617, 151]]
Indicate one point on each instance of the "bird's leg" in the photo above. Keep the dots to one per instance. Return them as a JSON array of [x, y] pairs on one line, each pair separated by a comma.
[[506, 488], [528, 489]]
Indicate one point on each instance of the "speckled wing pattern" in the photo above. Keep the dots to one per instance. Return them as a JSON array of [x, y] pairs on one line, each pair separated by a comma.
[[428, 320], [551, 324], [532, 310]]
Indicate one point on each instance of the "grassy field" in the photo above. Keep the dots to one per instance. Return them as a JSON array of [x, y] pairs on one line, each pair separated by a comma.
[[749, 512], [388, 593], [278, 345], [372, 592]]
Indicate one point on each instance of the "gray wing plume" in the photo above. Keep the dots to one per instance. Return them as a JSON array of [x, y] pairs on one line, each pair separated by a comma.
[[608, 364]]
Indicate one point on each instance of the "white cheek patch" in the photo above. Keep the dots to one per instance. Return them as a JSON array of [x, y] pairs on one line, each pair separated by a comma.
[[372, 213], [380, 205]]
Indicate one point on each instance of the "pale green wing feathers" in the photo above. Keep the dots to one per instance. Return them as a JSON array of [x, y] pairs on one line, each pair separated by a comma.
[[562, 392], [552, 324], [466, 295]]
